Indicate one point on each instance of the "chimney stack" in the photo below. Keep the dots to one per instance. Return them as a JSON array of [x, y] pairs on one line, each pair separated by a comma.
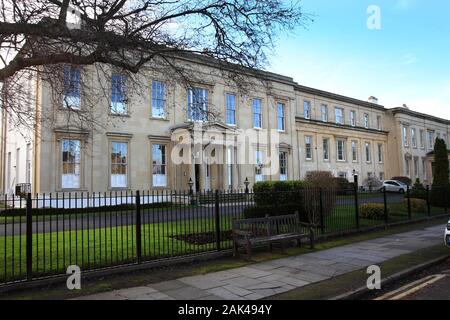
[[373, 99]]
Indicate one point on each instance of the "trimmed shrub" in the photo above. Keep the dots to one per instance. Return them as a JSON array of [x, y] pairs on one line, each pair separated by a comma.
[[270, 196], [418, 191], [405, 180], [417, 205], [372, 211]]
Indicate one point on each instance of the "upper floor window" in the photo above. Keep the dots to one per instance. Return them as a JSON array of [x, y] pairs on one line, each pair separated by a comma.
[[119, 164], [257, 113], [307, 109], [326, 149], [72, 78], [198, 104], [413, 138], [368, 153], [71, 160], [280, 116], [340, 150], [324, 112], [430, 140], [339, 115], [422, 139], [379, 127], [159, 165], [405, 136], [158, 99], [231, 109], [353, 118], [118, 93], [308, 147], [366, 120]]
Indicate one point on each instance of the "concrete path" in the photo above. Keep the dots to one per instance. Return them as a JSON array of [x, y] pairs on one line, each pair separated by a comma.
[[269, 278]]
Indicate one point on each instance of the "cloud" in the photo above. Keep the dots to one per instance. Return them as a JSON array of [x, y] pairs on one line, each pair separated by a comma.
[[409, 58], [404, 4]]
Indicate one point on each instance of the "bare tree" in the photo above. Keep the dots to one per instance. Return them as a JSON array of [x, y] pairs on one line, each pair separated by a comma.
[[37, 38]]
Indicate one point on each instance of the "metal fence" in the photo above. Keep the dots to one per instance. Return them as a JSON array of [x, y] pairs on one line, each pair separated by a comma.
[[41, 235]]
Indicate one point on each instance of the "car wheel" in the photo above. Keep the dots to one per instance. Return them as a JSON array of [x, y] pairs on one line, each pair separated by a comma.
[[401, 191]]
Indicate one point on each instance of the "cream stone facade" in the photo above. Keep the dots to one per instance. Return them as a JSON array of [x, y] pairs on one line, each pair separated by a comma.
[[135, 149]]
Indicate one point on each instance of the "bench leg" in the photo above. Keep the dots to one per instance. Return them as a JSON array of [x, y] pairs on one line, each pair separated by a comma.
[[235, 249], [249, 252], [311, 239]]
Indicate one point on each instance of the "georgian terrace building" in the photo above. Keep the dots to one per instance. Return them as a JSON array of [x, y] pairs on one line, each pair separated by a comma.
[[134, 149]]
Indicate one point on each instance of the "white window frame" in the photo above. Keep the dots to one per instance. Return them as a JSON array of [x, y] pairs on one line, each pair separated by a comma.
[[326, 149], [257, 116], [307, 109], [431, 140], [422, 139], [414, 138], [71, 99], [341, 117], [380, 153], [405, 136], [71, 180], [368, 152], [119, 180], [283, 163], [354, 145], [324, 112], [338, 142], [230, 114], [119, 107], [281, 118], [353, 118], [366, 121], [159, 170], [308, 141], [198, 106], [158, 99]]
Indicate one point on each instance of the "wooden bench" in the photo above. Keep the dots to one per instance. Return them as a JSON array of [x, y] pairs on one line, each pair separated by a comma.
[[248, 233]]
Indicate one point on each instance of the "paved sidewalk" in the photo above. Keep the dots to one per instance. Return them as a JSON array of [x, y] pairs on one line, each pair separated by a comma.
[[269, 278]]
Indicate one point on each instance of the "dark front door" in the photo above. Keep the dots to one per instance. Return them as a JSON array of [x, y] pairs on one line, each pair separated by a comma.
[[197, 177]]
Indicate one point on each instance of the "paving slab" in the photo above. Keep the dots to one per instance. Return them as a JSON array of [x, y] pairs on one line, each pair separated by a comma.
[[265, 279]]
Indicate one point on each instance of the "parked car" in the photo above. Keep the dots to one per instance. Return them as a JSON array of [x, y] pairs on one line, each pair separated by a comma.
[[447, 235], [394, 186]]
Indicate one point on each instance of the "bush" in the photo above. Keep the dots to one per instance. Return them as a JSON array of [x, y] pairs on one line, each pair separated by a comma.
[[344, 186], [298, 194], [373, 211], [321, 179], [418, 191], [417, 205], [405, 180]]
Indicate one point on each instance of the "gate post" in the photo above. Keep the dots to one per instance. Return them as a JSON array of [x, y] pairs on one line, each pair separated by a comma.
[[138, 228], [29, 238]]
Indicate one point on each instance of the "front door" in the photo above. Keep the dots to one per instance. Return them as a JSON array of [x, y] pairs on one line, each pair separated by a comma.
[[197, 177]]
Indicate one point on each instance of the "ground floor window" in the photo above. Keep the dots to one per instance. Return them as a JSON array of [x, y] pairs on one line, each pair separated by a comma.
[[159, 164], [119, 164], [283, 166], [259, 165], [71, 160]]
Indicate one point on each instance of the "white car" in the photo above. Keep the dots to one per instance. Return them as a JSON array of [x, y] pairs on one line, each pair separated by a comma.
[[394, 186], [447, 235]]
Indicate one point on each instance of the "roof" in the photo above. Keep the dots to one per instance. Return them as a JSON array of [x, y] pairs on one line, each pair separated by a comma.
[[419, 115]]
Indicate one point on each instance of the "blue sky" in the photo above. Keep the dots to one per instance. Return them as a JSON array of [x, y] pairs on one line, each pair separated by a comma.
[[406, 61]]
